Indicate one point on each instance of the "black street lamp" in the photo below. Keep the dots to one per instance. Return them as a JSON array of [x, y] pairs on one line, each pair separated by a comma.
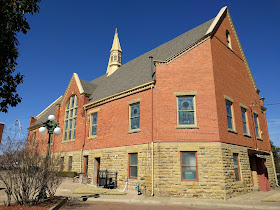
[[51, 127]]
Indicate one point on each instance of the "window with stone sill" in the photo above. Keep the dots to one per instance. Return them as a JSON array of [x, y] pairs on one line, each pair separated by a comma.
[[70, 118], [93, 124], [244, 120], [189, 166], [257, 127], [229, 115], [186, 110], [134, 116]]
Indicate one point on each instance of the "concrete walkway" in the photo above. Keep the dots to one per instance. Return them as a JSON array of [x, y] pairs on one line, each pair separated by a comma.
[[253, 200]]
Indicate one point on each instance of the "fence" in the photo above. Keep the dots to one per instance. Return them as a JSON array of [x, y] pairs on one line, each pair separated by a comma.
[[107, 179]]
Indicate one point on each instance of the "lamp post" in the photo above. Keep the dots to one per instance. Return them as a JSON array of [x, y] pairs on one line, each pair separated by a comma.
[[51, 127]]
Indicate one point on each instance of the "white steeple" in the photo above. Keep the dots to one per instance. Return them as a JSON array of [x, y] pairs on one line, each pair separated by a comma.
[[115, 56]]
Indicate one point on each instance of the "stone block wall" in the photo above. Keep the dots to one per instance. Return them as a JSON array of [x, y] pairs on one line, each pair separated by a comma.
[[215, 168], [168, 180], [114, 159], [233, 187]]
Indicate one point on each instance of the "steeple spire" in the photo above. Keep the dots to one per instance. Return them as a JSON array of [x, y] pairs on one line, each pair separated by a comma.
[[115, 55]]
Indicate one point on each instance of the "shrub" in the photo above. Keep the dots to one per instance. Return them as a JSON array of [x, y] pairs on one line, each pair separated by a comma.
[[26, 172], [67, 174]]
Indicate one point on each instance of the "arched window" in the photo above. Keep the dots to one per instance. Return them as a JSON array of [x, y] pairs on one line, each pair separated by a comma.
[[228, 39], [70, 118]]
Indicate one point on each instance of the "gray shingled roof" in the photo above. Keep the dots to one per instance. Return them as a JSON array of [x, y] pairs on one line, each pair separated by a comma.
[[137, 71], [44, 117], [88, 87]]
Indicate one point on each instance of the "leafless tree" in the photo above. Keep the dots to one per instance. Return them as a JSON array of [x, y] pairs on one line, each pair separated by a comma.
[[22, 170]]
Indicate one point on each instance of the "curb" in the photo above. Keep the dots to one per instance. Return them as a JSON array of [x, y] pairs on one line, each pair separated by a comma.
[[59, 205], [190, 204]]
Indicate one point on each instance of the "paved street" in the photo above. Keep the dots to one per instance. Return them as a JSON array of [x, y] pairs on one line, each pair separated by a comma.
[[124, 206]]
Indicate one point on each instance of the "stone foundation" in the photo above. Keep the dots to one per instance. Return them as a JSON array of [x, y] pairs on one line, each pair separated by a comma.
[[215, 168]]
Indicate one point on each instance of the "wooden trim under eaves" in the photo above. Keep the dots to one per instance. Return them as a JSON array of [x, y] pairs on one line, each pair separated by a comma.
[[120, 95]]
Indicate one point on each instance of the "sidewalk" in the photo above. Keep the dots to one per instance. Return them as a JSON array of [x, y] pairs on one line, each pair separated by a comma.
[[253, 200]]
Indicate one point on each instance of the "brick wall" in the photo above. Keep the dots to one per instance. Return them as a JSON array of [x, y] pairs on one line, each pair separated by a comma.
[[232, 79], [190, 72]]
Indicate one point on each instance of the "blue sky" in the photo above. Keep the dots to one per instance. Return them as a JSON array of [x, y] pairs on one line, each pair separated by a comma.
[[69, 36]]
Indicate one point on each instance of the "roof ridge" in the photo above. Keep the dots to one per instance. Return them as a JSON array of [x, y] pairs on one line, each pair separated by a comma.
[[160, 46]]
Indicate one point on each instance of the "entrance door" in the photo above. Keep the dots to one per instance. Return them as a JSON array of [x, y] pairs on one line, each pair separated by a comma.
[[96, 169], [262, 174], [252, 168]]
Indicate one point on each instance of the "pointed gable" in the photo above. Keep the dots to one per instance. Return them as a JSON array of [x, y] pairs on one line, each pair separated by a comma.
[[75, 78], [222, 27]]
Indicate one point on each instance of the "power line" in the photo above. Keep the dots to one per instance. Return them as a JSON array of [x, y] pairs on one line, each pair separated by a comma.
[[272, 104]]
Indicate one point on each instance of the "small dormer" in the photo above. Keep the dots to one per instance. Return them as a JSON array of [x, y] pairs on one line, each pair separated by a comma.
[[115, 56]]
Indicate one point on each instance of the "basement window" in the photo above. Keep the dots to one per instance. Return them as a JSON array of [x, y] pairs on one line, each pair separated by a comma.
[[236, 166], [133, 165], [189, 166]]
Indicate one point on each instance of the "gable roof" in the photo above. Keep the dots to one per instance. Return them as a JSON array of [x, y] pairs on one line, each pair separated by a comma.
[[43, 116], [138, 71], [212, 29]]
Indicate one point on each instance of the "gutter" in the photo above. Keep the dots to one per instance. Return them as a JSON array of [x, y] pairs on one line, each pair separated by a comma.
[[119, 95]]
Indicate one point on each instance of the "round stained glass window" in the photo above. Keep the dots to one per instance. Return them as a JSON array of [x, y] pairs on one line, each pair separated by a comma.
[[186, 104], [135, 111]]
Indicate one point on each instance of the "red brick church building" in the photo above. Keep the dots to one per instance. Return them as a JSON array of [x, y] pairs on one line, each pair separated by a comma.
[[185, 118]]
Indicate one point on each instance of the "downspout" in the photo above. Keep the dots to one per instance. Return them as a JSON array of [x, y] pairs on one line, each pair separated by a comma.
[[82, 150], [152, 74]]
